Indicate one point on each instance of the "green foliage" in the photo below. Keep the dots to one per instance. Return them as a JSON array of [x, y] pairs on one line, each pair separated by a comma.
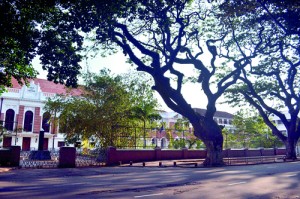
[[36, 28], [199, 144], [250, 131], [170, 138], [106, 105], [182, 124], [179, 143]]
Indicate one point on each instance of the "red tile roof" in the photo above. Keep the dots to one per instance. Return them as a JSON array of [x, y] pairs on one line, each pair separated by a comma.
[[50, 87]]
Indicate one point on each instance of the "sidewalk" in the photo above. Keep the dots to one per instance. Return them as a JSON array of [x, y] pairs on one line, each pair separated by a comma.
[[5, 169]]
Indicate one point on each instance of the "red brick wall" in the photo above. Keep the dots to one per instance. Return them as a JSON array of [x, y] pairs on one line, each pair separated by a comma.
[[125, 156], [114, 156], [20, 117], [37, 120]]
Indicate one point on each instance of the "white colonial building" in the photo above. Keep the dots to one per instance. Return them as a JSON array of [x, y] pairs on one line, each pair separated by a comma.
[[276, 120], [23, 115]]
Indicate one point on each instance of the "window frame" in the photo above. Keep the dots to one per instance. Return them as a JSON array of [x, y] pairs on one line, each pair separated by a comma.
[[28, 121]]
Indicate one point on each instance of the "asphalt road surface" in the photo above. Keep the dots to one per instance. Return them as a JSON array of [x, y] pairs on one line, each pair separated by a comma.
[[264, 181]]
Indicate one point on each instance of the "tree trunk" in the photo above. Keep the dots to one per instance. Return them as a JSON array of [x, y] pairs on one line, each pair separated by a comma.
[[214, 154], [290, 145], [211, 134]]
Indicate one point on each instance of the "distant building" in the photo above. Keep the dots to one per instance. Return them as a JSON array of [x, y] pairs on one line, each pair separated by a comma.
[[160, 138], [23, 115], [277, 121], [280, 126], [221, 117]]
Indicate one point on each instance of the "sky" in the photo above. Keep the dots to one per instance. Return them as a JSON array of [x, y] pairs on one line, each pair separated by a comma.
[[117, 64]]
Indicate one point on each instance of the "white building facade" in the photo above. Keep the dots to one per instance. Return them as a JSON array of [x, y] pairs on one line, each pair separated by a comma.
[[23, 115]]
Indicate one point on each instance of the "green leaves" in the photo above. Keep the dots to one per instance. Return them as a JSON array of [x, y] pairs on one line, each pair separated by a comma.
[[251, 130], [108, 101]]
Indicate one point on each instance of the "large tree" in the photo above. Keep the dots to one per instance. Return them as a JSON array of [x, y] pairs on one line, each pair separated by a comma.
[[271, 82], [161, 38]]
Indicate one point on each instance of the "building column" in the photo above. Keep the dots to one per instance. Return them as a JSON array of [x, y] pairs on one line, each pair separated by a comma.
[[37, 120], [20, 117]]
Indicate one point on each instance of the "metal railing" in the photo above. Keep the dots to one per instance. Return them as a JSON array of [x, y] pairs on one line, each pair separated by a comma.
[[82, 160]]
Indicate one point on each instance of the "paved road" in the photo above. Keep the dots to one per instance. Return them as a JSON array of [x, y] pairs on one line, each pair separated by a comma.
[[263, 181]]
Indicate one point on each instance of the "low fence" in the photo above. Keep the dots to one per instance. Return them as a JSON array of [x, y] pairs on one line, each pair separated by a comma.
[[116, 156], [113, 156], [229, 153], [81, 160]]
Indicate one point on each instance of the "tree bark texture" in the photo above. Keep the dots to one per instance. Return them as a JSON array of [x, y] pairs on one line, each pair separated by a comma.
[[211, 134], [214, 154], [290, 145]]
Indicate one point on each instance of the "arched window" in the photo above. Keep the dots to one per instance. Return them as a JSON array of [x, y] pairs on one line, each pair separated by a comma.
[[163, 143], [45, 122], [153, 141], [9, 120], [28, 121]]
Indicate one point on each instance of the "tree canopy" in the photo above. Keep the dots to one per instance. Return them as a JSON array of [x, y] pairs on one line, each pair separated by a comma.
[[161, 38], [221, 42], [31, 28], [271, 81]]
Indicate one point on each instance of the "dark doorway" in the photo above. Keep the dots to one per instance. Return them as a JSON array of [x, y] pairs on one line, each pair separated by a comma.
[[45, 146], [7, 141], [26, 144]]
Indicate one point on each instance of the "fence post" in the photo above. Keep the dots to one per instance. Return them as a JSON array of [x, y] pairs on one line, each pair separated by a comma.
[[111, 154], [15, 156], [67, 157]]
